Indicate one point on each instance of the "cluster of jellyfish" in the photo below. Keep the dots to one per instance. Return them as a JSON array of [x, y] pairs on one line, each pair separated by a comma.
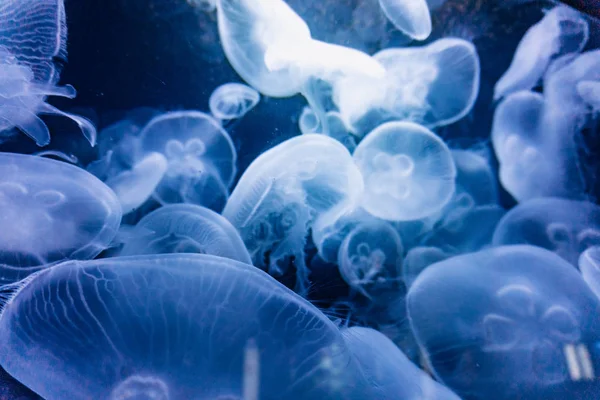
[[155, 271]]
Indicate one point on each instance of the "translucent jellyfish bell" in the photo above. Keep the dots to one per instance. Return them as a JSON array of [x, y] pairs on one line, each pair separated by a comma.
[[589, 265], [232, 101], [247, 28], [172, 327], [201, 157], [303, 180], [370, 259], [566, 227], [390, 372], [563, 30], [496, 324], [409, 16], [29, 73], [186, 228], [51, 211], [589, 91], [408, 171]]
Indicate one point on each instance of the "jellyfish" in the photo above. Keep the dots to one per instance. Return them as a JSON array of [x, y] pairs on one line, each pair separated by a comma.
[[589, 91], [495, 324], [408, 171], [186, 228], [433, 85], [232, 101], [475, 177], [589, 265], [565, 227], [175, 326], [304, 180], [135, 186], [33, 35], [309, 121], [388, 369], [563, 30], [200, 154], [418, 259], [51, 211], [411, 17], [370, 259]]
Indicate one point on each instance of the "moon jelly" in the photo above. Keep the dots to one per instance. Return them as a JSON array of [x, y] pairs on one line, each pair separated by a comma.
[[232, 100], [186, 228], [51, 211], [408, 171], [589, 265], [409, 16]]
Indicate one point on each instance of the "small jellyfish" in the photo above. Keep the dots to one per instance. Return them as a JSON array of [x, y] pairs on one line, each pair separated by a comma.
[[33, 34], [304, 180], [589, 265], [391, 373], [411, 17], [309, 121], [566, 227], [408, 171], [589, 91], [418, 259], [232, 101], [563, 30], [51, 211], [175, 326], [370, 259], [495, 324], [135, 186], [475, 177], [185, 228], [201, 158]]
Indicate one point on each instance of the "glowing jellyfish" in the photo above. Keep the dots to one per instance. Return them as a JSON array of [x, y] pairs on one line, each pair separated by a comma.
[[186, 228], [247, 28], [563, 30], [370, 259], [232, 100], [433, 85], [392, 375], [566, 227], [135, 186], [496, 324], [589, 265], [171, 327], [408, 171], [33, 33], [284, 191], [51, 211], [409, 16], [201, 157]]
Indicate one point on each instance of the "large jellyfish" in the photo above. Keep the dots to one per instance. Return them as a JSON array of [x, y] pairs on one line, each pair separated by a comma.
[[566, 227], [232, 100], [409, 16], [186, 228], [33, 34], [172, 327], [284, 191], [51, 211], [589, 265], [200, 154], [392, 375], [408, 171], [496, 324], [563, 30]]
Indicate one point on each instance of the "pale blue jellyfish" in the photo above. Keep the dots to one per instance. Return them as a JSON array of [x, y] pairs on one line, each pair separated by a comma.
[[475, 177], [200, 154], [308, 122], [589, 265], [417, 259], [51, 211], [185, 228], [304, 180], [498, 323], [232, 101], [408, 171], [565, 227], [392, 375], [33, 33], [589, 91], [563, 30], [409, 16], [333, 126], [172, 327]]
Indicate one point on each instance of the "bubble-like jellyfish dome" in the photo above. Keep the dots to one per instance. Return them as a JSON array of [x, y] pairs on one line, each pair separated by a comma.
[[232, 100], [408, 171], [497, 324], [178, 326], [186, 228], [64, 213]]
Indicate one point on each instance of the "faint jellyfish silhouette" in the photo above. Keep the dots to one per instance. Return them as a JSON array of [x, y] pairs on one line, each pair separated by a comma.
[[138, 387], [409, 16], [232, 101], [589, 265]]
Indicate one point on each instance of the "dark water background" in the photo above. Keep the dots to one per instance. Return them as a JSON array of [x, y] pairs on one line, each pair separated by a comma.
[[165, 55]]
